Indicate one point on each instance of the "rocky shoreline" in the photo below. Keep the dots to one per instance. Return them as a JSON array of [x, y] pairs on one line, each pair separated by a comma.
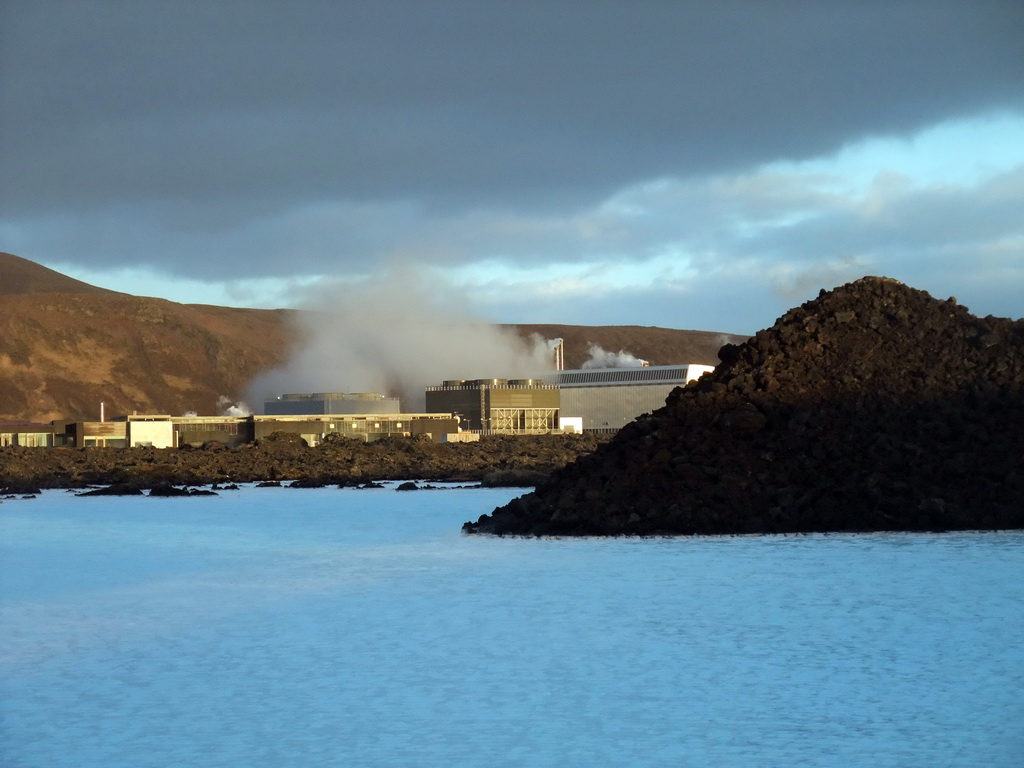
[[497, 460], [874, 407]]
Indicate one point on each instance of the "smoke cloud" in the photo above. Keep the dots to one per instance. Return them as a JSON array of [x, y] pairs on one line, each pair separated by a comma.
[[602, 358], [395, 335], [228, 407]]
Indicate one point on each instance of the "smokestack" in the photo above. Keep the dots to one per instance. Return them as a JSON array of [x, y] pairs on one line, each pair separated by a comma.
[[559, 354], [101, 411]]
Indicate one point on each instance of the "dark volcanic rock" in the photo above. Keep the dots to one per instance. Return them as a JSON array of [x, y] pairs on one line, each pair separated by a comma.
[[170, 491], [873, 407], [167, 490], [307, 482], [513, 478], [117, 489], [279, 460]]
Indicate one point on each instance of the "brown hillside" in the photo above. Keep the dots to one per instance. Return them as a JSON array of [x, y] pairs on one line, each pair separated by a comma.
[[66, 346], [61, 354], [18, 275]]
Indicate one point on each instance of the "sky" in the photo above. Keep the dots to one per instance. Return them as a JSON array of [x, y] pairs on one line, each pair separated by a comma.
[[676, 163]]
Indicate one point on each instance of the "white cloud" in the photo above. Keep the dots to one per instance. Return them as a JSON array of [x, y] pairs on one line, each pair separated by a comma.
[[265, 293], [939, 210]]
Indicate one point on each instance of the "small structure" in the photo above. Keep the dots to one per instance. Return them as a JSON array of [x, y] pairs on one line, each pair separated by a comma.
[[499, 406], [29, 434], [231, 431], [92, 434], [609, 398], [149, 431]]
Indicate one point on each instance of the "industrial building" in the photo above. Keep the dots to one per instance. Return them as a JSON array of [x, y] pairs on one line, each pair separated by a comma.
[[588, 399], [91, 434], [315, 428], [360, 415], [498, 406], [609, 398], [330, 402], [591, 400], [162, 431]]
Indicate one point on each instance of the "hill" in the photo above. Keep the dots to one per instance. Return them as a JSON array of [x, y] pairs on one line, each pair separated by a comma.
[[18, 276], [66, 346], [873, 407], [62, 354]]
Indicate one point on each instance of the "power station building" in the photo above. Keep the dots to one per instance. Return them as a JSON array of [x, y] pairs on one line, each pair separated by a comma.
[[330, 402], [500, 406], [609, 398], [596, 399], [363, 416], [315, 429], [588, 399]]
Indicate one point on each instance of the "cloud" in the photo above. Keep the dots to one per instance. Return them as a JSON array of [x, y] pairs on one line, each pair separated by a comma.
[[795, 229], [549, 159]]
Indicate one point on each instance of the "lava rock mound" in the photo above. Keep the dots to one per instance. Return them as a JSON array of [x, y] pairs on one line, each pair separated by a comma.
[[874, 407]]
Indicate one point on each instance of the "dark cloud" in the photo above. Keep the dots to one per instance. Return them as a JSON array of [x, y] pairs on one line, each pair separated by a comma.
[[896, 220], [210, 121]]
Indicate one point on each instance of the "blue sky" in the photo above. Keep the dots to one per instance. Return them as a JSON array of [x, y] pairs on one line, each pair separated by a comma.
[[680, 164]]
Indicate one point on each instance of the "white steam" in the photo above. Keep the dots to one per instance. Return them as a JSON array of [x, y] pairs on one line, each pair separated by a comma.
[[602, 358], [396, 334], [228, 407]]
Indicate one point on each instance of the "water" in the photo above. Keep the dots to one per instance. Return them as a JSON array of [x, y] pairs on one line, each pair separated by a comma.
[[286, 627]]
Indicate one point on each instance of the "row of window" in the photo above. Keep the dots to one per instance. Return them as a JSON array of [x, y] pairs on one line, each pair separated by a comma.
[[622, 375], [26, 439]]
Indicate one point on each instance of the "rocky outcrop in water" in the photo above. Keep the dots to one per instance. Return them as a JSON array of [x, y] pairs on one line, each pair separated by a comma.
[[873, 407], [494, 460]]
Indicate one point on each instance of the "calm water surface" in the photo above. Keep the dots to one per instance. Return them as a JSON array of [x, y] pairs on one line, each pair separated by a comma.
[[286, 627]]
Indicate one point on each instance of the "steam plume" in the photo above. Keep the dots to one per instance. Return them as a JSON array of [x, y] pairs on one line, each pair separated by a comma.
[[602, 358], [396, 334], [228, 407]]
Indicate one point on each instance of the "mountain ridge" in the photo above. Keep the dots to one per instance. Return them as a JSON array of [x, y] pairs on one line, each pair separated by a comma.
[[20, 276], [66, 346]]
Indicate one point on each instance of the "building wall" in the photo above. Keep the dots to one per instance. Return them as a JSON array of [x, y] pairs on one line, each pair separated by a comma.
[[173, 431], [97, 434], [314, 429], [497, 405], [155, 433], [523, 397], [331, 403], [609, 398], [468, 403], [611, 408], [26, 439], [571, 424], [199, 430]]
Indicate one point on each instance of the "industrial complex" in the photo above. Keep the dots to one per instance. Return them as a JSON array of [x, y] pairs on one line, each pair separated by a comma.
[[583, 400]]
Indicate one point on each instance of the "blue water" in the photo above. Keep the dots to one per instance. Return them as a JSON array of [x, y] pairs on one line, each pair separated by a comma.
[[286, 627]]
